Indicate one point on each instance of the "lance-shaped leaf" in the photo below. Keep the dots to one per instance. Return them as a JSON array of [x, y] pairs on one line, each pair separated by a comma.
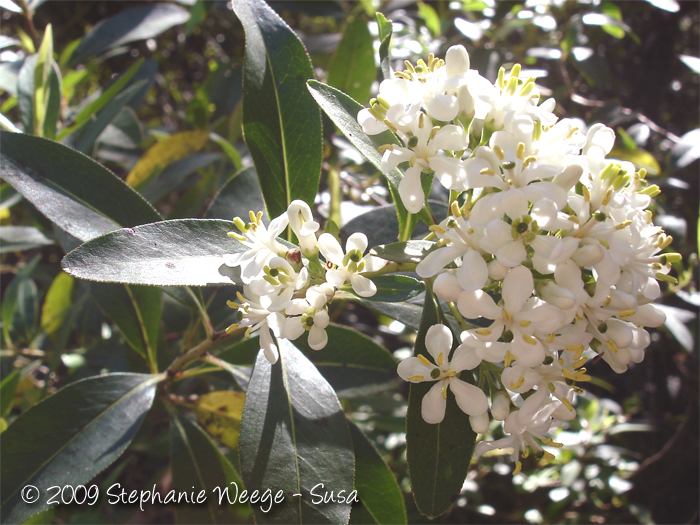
[[386, 29], [70, 437], [438, 455], [50, 94], [353, 69], [79, 195], [392, 288], [199, 466], [138, 23], [180, 252], [405, 252], [294, 436], [239, 195], [376, 485], [281, 122], [343, 110]]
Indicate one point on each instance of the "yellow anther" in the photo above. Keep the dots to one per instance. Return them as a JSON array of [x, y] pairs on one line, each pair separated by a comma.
[[518, 467], [506, 315], [423, 360], [499, 152], [604, 243], [528, 160], [525, 324], [551, 443], [441, 359], [247, 332], [421, 120], [412, 162], [568, 374], [667, 278], [487, 171], [607, 196], [611, 345], [231, 328], [444, 392], [550, 338], [437, 229], [233, 304], [579, 317], [551, 387], [409, 66], [529, 339], [271, 280], [582, 378], [666, 242], [580, 362], [649, 215], [627, 313], [454, 208], [572, 133], [560, 361], [520, 150], [509, 358], [548, 455], [415, 378], [443, 242], [252, 216], [573, 219], [385, 147], [586, 194], [390, 125], [483, 331], [607, 301], [434, 131], [240, 297], [518, 383], [623, 225], [237, 236], [526, 454], [451, 373], [578, 349]]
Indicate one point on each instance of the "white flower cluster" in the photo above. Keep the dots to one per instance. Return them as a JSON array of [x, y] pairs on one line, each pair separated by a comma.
[[287, 290], [546, 240]]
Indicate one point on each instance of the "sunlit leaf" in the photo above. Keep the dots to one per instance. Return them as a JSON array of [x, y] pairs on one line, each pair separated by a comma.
[[56, 304], [220, 414], [353, 69]]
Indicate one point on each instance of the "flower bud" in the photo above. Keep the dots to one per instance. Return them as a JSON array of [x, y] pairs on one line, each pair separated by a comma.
[[456, 61], [446, 287], [500, 406], [304, 227], [557, 295], [480, 423], [587, 256]]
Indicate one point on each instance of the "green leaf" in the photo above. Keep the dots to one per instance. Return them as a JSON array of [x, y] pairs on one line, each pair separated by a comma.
[[220, 412], [57, 304], [42, 83], [352, 363], [613, 11], [51, 98], [136, 312], [96, 105], [385, 31], [404, 252], [343, 110], [70, 437], [138, 23], [281, 123], [406, 313], [641, 158], [7, 392], [79, 195], [430, 17], [438, 455], [352, 69], [20, 238], [294, 437], [393, 288], [174, 176], [239, 195], [11, 297], [198, 466], [179, 252], [376, 485]]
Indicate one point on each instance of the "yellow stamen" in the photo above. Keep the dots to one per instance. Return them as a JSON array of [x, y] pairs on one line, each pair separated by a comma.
[[454, 208], [567, 404], [586, 194], [444, 392], [423, 360], [403, 75], [437, 229], [390, 125], [385, 147], [247, 332], [233, 304], [506, 315], [231, 328], [518, 467], [525, 324], [627, 313], [607, 301], [520, 150], [623, 225], [509, 358], [451, 373], [529, 339], [607, 196], [548, 456], [499, 152], [604, 243], [611, 345], [483, 331], [487, 171], [550, 338], [240, 297], [667, 278], [441, 359], [551, 443], [434, 131], [237, 236], [518, 383], [528, 160], [415, 378], [580, 362], [443, 242]]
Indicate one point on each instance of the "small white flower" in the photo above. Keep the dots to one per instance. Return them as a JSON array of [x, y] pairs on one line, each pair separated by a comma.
[[309, 314], [302, 222], [438, 342], [349, 266]]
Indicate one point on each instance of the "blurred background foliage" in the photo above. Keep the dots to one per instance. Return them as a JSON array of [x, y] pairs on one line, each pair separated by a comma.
[[171, 127]]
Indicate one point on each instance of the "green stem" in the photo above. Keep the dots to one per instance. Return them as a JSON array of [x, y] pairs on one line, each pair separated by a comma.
[[336, 194], [208, 328], [462, 323], [392, 267], [198, 351]]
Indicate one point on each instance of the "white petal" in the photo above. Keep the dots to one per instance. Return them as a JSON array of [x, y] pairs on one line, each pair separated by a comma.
[[412, 367], [370, 125], [471, 399], [318, 338], [267, 345], [456, 61], [512, 253], [451, 137], [475, 304], [292, 328], [330, 248], [514, 203], [433, 405], [480, 423], [278, 225], [474, 272], [411, 191], [446, 287], [438, 340], [442, 107], [362, 286], [464, 358], [449, 171], [357, 241], [321, 319], [436, 260], [517, 288]]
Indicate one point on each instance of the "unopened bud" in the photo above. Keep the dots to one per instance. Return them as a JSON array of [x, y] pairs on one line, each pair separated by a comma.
[[480, 423], [500, 406]]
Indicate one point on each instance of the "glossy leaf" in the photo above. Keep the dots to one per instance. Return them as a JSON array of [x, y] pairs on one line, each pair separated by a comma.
[[7, 391], [70, 437], [376, 485], [385, 30], [393, 288], [179, 252], [136, 312], [11, 297], [19, 238], [57, 303], [174, 176], [438, 455], [42, 86], [239, 195], [343, 110], [220, 414], [138, 23], [352, 69], [351, 362], [79, 195], [281, 123], [410, 251], [294, 436], [198, 466], [26, 83]]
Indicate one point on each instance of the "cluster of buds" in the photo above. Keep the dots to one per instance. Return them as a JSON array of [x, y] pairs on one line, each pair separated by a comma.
[[287, 289], [548, 257]]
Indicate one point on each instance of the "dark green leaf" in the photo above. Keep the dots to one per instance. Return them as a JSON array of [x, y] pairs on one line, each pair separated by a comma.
[[198, 466], [18, 238], [136, 312], [124, 131], [281, 123], [375, 483], [7, 392], [11, 297], [351, 362], [394, 288], [353, 70], [438, 455], [410, 251], [385, 30], [343, 111], [406, 313], [224, 88], [239, 195], [173, 177], [294, 437], [25, 96], [179, 252], [79, 195], [138, 23], [70, 437]]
